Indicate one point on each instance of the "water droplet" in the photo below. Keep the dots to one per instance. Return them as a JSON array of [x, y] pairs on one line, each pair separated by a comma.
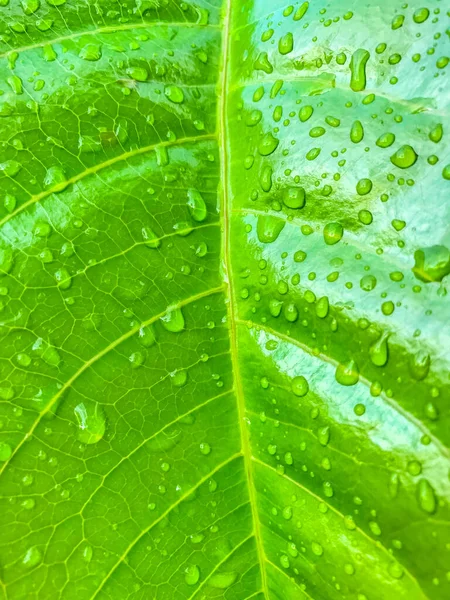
[[431, 264], [332, 233], [32, 558], [91, 422], [286, 43], [284, 561], [385, 140], [205, 448], [301, 11], [357, 132], [268, 144], [222, 581], [262, 63], [137, 73], [63, 278], [421, 15], [192, 574], [173, 320], [379, 352], [305, 113], [317, 549], [347, 373], [322, 307], [426, 497], [268, 228], [363, 187], [5, 451], [294, 197], [87, 554], [397, 22], [419, 365], [323, 435], [197, 206], [436, 133], [404, 157], [91, 52], [300, 386], [358, 69]]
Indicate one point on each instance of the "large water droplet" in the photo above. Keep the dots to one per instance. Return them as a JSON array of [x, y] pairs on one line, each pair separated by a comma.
[[192, 574], [91, 422], [268, 228], [426, 497], [379, 351], [358, 69], [197, 206], [173, 320], [404, 157], [431, 264], [222, 581], [347, 373]]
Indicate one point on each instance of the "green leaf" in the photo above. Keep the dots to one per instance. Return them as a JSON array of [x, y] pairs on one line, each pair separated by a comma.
[[224, 262]]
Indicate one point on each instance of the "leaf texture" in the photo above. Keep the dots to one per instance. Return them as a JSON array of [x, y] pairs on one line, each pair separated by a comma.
[[224, 260]]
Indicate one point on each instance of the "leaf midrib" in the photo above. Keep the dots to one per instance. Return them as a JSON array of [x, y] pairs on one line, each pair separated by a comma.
[[226, 211]]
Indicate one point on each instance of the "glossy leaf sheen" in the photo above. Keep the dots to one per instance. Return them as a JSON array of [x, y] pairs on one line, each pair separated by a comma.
[[224, 262]]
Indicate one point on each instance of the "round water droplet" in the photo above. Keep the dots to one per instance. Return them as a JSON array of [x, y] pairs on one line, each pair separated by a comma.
[[300, 386], [205, 448], [317, 549], [294, 197], [363, 187]]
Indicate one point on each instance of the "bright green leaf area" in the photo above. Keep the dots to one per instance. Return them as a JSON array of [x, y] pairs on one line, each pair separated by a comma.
[[224, 263]]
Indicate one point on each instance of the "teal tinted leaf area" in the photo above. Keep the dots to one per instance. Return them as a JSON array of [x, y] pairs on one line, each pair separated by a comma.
[[224, 267]]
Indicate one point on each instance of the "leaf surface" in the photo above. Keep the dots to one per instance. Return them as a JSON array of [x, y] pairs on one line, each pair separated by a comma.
[[224, 317]]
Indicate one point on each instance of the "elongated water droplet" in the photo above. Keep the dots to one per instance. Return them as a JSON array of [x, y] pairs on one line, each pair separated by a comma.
[[91, 422], [426, 497], [322, 307], [286, 43], [379, 352], [357, 132], [222, 581], [150, 238], [385, 140], [358, 69], [197, 206]]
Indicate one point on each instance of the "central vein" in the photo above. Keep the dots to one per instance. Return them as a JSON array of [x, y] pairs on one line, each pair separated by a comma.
[[232, 311]]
